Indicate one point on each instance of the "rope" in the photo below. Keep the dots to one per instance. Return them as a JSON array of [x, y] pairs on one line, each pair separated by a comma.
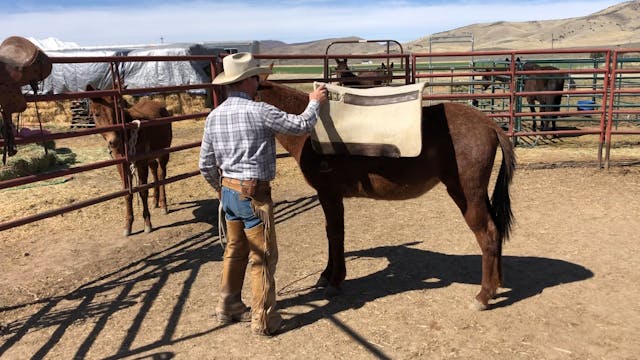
[[222, 232], [133, 140]]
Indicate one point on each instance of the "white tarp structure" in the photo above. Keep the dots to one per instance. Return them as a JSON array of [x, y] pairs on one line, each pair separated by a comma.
[[166, 73], [74, 77]]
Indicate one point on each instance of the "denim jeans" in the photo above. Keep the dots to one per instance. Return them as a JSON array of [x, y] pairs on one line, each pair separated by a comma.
[[238, 208]]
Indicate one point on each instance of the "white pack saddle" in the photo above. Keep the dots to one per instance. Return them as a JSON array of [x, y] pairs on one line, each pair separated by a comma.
[[382, 121]]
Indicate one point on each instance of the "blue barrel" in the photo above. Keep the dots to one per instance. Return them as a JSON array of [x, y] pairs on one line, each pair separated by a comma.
[[586, 105]]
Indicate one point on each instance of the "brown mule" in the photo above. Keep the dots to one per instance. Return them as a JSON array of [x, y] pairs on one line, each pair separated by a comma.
[[459, 145]]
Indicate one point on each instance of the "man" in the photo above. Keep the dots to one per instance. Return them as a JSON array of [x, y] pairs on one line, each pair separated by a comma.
[[238, 158]]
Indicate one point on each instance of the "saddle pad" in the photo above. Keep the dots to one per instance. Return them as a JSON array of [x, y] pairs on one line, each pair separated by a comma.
[[382, 121]]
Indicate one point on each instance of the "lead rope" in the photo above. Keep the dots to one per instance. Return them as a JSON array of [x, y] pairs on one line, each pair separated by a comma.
[[34, 87], [133, 140], [4, 128], [222, 232]]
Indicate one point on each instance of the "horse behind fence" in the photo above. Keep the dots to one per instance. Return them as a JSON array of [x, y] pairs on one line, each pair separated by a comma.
[[141, 140], [548, 102], [380, 76]]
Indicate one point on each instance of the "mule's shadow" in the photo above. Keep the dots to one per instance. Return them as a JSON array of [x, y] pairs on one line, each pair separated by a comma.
[[411, 269]]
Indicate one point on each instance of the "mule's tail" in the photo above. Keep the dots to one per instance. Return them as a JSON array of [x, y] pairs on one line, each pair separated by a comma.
[[501, 200]]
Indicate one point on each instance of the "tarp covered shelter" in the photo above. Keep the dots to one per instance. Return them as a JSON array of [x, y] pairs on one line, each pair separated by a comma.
[[167, 73], [75, 77]]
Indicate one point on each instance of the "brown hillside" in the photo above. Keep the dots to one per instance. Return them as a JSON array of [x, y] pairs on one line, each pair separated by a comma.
[[615, 26]]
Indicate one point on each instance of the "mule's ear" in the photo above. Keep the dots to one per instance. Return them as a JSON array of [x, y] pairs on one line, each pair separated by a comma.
[[263, 77], [391, 66], [89, 88]]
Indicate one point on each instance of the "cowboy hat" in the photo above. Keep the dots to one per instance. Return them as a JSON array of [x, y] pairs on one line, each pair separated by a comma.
[[238, 67]]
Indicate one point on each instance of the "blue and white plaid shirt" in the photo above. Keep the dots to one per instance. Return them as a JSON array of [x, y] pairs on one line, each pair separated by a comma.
[[239, 138]]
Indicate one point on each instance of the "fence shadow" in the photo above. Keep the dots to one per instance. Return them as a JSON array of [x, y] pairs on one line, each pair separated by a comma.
[[137, 284]]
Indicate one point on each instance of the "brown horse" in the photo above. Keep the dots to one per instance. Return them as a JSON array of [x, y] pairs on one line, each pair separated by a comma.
[[349, 78], [543, 82], [459, 144], [148, 139]]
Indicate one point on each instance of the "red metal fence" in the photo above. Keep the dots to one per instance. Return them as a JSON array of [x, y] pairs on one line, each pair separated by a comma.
[[491, 80], [117, 93]]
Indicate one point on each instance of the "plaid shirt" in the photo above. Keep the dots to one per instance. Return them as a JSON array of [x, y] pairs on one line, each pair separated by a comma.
[[239, 138]]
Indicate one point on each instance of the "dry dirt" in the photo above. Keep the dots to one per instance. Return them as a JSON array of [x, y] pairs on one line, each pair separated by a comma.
[[73, 287]]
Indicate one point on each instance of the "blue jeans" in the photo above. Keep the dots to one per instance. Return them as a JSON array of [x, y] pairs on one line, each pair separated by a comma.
[[238, 208]]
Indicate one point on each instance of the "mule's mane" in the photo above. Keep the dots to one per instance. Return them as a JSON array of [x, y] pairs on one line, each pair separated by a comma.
[[286, 98]]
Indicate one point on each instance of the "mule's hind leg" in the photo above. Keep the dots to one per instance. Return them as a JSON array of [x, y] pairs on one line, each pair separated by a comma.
[[476, 213]]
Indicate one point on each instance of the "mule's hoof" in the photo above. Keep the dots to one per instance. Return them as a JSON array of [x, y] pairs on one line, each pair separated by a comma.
[[478, 306], [126, 233], [322, 282], [331, 291], [148, 229], [165, 211]]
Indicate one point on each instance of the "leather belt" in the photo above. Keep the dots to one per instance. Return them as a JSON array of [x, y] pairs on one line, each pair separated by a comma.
[[235, 184]]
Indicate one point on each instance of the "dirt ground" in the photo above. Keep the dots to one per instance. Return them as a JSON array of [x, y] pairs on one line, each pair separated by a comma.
[[74, 287]]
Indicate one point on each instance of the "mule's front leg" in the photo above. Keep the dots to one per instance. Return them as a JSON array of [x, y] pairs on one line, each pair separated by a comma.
[[336, 271], [143, 174], [153, 167], [128, 214], [125, 175], [162, 174]]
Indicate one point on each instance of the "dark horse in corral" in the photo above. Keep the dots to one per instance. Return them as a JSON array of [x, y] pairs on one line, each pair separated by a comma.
[[363, 78], [459, 144], [548, 102], [149, 138]]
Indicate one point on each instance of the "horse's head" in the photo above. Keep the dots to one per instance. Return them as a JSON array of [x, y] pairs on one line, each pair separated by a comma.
[[343, 71], [387, 71], [103, 112], [341, 65]]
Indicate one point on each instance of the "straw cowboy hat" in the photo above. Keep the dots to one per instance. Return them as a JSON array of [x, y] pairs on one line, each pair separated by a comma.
[[238, 67]]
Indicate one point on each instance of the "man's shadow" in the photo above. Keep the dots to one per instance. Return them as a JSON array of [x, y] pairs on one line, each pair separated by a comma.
[[416, 269]]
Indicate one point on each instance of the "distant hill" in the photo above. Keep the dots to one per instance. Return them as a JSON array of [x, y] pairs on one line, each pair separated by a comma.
[[615, 26]]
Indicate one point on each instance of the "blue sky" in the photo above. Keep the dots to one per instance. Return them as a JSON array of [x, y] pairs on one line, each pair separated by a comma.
[[94, 23]]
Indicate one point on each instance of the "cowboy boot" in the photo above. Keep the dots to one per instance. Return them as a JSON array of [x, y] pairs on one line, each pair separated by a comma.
[[234, 265], [263, 255]]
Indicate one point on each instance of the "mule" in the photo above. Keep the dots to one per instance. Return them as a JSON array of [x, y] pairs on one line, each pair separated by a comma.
[[148, 139], [546, 82], [349, 78], [459, 144]]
